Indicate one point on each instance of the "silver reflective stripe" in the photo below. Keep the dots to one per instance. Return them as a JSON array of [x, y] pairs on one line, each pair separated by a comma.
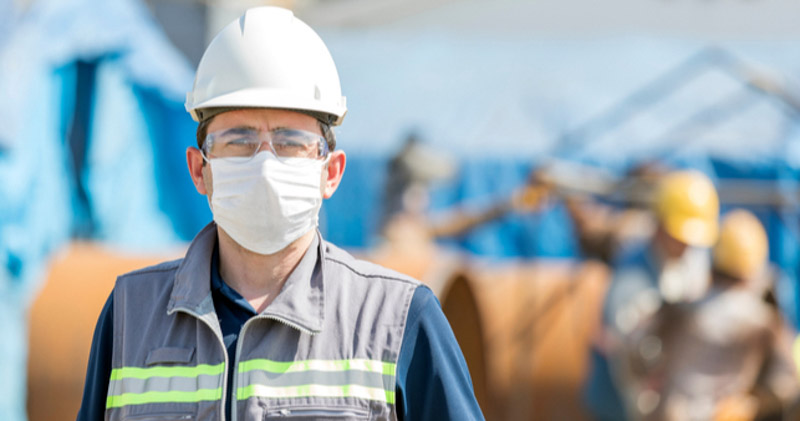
[[316, 377], [359, 378], [316, 390]]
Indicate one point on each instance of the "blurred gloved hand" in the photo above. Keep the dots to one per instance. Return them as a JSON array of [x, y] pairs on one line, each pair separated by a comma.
[[736, 408], [530, 198]]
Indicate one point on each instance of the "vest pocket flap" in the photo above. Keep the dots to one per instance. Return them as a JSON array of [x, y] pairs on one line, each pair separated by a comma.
[[170, 355]]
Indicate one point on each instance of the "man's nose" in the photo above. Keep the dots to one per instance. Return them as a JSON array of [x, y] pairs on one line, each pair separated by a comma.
[[265, 146]]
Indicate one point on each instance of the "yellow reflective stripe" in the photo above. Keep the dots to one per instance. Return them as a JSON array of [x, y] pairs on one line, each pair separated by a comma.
[[178, 371], [163, 397], [271, 366], [344, 391]]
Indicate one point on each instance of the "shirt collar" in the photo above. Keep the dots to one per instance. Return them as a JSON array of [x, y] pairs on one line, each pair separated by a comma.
[[300, 304], [219, 286]]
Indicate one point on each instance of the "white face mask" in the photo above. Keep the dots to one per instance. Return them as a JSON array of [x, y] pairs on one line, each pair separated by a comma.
[[265, 204]]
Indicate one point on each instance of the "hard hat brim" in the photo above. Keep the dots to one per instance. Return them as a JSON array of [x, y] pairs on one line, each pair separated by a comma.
[[272, 98], [696, 232]]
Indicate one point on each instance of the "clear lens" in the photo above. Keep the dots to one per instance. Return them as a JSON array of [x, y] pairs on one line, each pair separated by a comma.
[[232, 143], [284, 143], [288, 143]]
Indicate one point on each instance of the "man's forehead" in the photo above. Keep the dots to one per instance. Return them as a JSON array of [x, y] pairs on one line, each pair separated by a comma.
[[262, 118]]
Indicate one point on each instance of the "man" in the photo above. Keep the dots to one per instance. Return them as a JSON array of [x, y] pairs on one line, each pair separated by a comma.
[[263, 319], [726, 356], [673, 267]]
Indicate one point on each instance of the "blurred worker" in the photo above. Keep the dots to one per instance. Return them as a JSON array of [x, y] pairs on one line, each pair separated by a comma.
[[263, 319], [409, 229], [724, 357], [411, 172], [603, 229], [673, 266]]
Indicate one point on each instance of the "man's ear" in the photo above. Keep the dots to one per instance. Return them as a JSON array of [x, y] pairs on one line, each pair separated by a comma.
[[333, 173], [194, 160]]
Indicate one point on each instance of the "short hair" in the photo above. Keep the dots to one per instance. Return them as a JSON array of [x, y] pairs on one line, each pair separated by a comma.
[[325, 128]]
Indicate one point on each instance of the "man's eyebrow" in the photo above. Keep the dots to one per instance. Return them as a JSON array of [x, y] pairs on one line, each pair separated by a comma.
[[243, 127]]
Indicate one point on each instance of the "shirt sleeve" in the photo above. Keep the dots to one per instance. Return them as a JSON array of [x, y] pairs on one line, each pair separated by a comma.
[[433, 381], [98, 372]]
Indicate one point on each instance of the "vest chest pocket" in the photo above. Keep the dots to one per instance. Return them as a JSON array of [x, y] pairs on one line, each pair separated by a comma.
[[314, 413], [169, 355]]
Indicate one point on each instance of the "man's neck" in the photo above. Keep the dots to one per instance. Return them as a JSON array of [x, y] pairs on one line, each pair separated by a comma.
[[259, 277]]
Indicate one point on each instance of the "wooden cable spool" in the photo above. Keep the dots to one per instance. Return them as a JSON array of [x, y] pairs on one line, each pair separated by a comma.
[[525, 330], [61, 324]]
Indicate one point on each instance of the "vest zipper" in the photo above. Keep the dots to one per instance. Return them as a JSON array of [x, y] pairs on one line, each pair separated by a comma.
[[235, 387], [239, 343], [224, 367]]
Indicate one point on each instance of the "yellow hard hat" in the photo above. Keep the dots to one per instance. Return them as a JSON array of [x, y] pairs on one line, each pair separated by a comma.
[[687, 206], [741, 251]]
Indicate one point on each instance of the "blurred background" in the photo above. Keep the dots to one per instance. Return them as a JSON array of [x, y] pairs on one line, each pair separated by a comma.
[[502, 152]]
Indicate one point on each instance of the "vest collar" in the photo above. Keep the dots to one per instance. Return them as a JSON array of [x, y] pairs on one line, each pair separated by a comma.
[[300, 304]]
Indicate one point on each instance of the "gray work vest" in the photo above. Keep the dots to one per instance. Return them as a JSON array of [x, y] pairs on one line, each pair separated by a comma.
[[325, 348]]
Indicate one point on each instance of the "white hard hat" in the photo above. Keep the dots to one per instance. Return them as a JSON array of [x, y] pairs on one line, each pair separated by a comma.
[[267, 59]]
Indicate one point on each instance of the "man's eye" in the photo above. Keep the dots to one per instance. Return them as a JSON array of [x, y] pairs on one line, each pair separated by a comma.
[[287, 143], [238, 141], [236, 136], [288, 148], [295, 148]]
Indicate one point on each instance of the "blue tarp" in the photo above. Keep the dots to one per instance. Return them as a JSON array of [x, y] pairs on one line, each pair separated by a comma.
[[91, 98], [8, 16], [94, 135]]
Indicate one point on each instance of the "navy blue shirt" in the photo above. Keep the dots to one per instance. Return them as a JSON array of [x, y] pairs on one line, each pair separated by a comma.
[[233, 311], [433, 381]]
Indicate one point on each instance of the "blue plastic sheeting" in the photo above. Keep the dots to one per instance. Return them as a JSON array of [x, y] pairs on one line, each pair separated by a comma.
[[134, 116], [35, 215], [8, 16], [91, 98]]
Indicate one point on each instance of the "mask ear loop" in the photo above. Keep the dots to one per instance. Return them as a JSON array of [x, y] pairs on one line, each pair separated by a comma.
[[208, 197]]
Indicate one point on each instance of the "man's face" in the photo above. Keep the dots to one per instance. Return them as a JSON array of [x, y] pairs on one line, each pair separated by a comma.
[[264, 119]]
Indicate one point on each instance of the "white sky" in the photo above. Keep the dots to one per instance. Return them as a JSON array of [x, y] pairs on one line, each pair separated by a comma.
[[705, 19]]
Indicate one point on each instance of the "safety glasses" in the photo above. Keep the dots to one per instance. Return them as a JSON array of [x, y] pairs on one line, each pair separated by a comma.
[[242, 144]]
